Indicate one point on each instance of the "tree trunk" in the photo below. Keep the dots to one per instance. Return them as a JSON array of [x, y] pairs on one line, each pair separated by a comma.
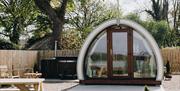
[[56, 16], [57, 28], [159, 10]]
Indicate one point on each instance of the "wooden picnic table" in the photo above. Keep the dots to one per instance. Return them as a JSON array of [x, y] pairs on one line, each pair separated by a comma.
[[22, 82]]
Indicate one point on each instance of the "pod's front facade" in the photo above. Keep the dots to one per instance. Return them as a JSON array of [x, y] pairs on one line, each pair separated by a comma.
[[120, 52]]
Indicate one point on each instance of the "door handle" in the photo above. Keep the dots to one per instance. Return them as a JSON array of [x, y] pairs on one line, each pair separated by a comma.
[[111, 52]]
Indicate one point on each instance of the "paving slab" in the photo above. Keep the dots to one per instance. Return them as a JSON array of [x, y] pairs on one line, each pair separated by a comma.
[[172, 84], [59, 85]]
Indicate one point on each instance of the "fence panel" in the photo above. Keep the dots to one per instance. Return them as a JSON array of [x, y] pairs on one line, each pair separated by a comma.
[[173, 56], [18, 60]]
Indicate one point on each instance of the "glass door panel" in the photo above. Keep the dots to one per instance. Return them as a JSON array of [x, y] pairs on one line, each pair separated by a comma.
[[144, 60], [119, 54]]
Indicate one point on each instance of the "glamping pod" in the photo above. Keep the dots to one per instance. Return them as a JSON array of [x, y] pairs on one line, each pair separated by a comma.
[[120, 52]]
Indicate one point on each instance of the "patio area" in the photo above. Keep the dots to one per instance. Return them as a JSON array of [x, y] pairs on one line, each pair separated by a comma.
[[73, 85], [171, 85]]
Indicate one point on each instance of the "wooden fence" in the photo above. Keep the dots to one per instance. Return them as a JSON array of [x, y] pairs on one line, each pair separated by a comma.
[[45, 54], [173, 56], [18, 59]]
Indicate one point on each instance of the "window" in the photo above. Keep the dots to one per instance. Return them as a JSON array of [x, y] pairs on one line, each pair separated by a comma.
[[120, 51], [144, 59], [96, 60]]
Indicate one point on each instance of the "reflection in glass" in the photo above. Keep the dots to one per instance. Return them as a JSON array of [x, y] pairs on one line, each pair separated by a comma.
[[144, 60], [97, 57], [119, 48]]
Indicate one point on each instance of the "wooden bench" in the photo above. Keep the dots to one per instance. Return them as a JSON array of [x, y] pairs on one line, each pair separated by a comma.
[[32, 75], [22, 82]]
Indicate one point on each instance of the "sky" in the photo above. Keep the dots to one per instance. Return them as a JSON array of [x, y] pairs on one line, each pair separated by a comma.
[[132, 6]]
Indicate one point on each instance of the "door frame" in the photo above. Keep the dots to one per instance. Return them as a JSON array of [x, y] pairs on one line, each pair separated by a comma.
[[129, 32]]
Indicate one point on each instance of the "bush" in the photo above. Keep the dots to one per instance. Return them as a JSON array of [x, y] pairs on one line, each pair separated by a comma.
[[6, 45], [146, 88], [70, 39], [164, 36]]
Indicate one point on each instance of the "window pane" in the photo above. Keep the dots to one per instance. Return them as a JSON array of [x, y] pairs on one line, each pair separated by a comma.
[[144, 59], [97, 58], [119, 48]]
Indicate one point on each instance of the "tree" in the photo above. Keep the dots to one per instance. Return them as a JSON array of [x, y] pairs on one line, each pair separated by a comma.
[[15, 17], [134, 17], [176, 15], [89, 14], [175, 18], [55, 10], [42, 30], [159, 10], [164, 36], [6, 45]]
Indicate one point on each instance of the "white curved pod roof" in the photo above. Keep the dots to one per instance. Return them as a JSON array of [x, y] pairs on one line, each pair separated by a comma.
[[138, 28]]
